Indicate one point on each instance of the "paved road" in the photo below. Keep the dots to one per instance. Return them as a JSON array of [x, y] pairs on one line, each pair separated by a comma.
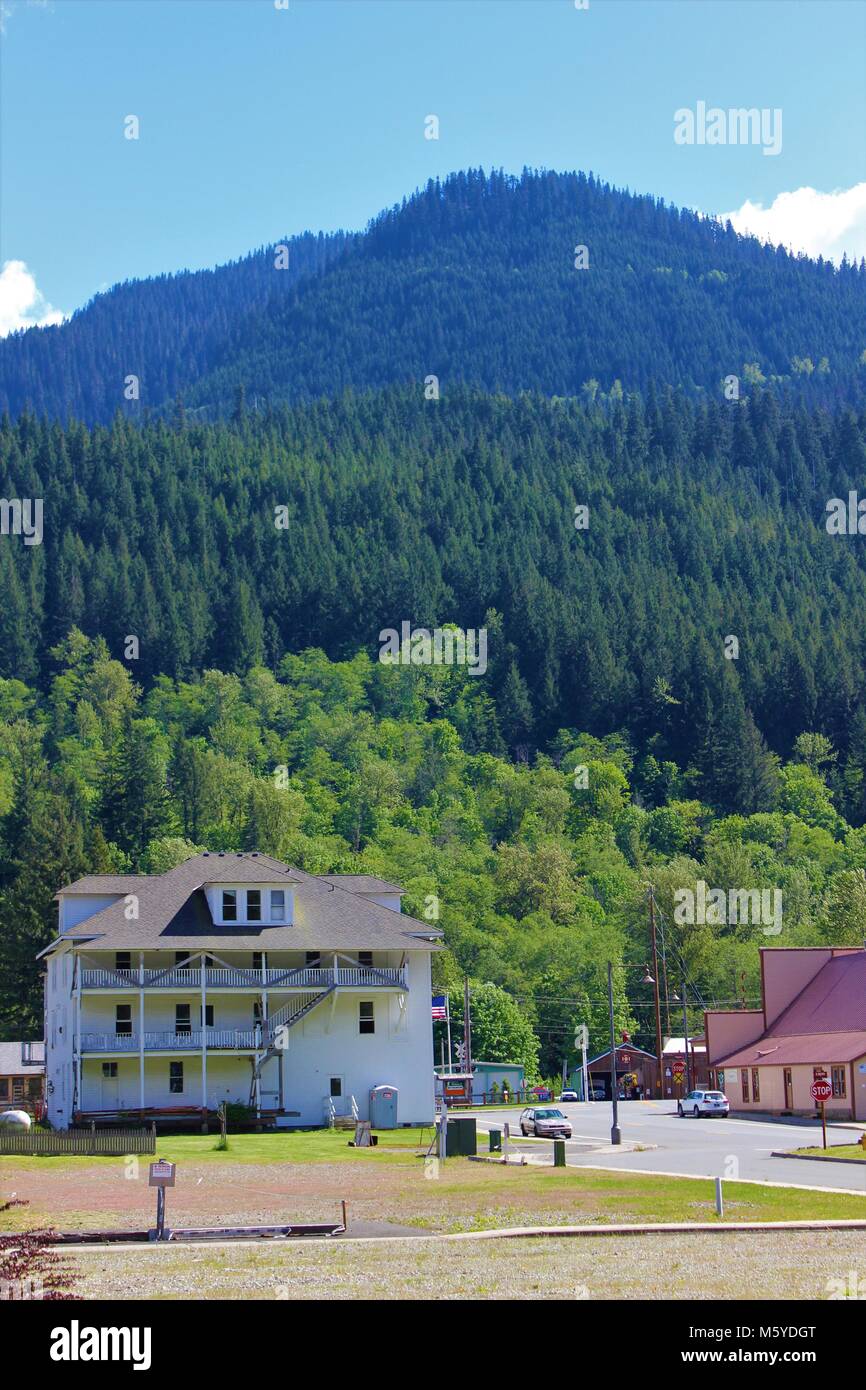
[[733, 1147]]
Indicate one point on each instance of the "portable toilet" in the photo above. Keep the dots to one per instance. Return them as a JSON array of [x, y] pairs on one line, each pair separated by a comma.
[[383, 1107]]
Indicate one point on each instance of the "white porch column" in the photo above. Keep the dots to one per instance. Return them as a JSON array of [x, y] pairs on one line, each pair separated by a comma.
[[141, 1029], [76, 1036], [203, 980]]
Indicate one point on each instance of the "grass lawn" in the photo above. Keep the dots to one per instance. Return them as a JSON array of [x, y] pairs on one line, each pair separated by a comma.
[[302, 1146], [834, 1151], [274, 1178]]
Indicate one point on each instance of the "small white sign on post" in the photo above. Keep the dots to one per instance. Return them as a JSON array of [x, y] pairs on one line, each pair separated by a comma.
[[161, 1174]]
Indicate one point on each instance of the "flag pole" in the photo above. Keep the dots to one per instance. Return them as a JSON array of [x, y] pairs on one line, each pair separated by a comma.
[[448, 1026]]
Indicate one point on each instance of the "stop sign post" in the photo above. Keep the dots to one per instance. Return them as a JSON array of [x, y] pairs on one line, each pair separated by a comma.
[[821, 1091]]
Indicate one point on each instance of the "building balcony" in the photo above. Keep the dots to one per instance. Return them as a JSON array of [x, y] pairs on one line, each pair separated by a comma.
[[188, 980], [231, 1039]]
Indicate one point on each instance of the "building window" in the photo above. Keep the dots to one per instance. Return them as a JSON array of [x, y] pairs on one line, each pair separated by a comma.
[[745, 1085], [258, 1015], [230, 905], [34, 1087], [123, 1020], [336, 1087], [278, 904], [4, 1087], [756, 1084], [314, 960], [365, 959], [109, 1069], [208, 1016], [123, 960], [175, 1078], [837, 1081], [182, 958], [258, 960], [182, 1022], [366, 1020], [254, 904]]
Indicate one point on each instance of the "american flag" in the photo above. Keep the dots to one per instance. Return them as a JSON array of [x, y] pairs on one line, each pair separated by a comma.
[[440, 1006]]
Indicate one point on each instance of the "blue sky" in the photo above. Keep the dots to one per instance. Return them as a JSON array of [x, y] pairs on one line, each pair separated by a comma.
[[258, 122]]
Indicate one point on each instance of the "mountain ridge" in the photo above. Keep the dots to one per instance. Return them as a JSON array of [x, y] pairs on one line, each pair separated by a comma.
[[471, 279]]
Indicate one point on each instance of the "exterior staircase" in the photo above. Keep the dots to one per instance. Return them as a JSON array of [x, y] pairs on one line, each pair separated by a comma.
[[273, 1034]]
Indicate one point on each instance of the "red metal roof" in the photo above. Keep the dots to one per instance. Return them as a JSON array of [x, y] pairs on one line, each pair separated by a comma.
[[809, 1049], [825, 1022], [834, 1000]]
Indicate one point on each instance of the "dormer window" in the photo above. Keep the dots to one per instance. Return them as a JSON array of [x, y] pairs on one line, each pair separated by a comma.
[[254, 905], [278, 904], [230, 905]]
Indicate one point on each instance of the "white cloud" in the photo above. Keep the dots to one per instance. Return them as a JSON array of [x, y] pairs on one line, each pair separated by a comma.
[[21, 304], [821, 224]]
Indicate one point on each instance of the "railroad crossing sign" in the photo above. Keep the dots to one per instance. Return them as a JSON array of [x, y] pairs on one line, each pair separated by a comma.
[[821, 1090]]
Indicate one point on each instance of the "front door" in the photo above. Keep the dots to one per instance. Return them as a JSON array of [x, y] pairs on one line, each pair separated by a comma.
[[789, 1088], [110, 1092]]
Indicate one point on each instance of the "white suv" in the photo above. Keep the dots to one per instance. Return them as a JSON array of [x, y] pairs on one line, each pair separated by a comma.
[[703, 1103]]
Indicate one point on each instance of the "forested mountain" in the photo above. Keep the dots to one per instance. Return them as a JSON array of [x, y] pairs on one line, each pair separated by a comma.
[[232, 544], [472, 280], [166, 331], [359, 767]]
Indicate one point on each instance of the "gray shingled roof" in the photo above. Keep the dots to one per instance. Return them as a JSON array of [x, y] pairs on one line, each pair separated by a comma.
[[95, 884], [363, 883], [327, 915], [12, 1065]]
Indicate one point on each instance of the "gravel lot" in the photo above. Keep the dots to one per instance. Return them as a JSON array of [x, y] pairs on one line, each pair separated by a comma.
[[794, 1265]]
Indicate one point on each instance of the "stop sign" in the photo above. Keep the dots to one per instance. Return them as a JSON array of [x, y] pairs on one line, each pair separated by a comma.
[[679, 1068], [821, 1090]]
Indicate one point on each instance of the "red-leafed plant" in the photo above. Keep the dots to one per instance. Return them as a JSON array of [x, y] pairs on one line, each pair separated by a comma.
[[29, 1267]]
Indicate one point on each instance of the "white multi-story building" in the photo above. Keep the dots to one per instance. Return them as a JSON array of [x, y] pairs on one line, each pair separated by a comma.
[[237, 978]]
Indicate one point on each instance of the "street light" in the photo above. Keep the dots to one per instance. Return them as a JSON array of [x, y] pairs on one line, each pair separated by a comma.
[[615, 1135]]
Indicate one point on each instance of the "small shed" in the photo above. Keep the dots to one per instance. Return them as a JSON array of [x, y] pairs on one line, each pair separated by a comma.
[[490, 1079]]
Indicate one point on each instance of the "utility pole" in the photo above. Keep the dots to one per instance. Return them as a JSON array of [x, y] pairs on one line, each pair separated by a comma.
[[652, 917], [615, 1135], [467, 1033], [686, 1040]]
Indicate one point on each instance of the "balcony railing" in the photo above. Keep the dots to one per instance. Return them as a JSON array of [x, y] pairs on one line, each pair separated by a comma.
[[243, 1038], [283, 977]]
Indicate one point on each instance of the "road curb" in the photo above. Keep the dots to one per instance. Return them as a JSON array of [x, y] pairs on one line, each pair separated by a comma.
[[667, 1228], [817, 1158]]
